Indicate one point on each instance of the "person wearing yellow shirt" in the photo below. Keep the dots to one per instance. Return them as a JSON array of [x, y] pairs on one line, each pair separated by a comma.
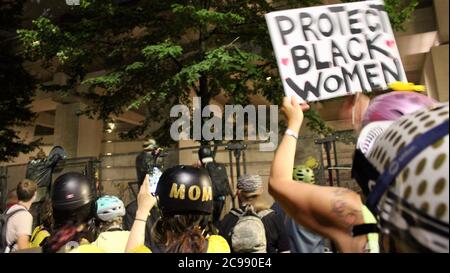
[[185, 200], [42, 232], [112, 237]]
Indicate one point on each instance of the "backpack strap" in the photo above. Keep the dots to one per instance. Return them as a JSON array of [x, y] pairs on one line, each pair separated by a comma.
[[7, 217], [264, 213], [364, 229], [237, 212], [9, 214]]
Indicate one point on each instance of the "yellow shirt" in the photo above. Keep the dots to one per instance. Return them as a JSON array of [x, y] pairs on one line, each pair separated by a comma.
[[87, 248], [372, 238], [112, 241], [216, 244]]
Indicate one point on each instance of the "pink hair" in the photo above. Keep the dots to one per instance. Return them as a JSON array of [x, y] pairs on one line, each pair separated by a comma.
[[394, 105]]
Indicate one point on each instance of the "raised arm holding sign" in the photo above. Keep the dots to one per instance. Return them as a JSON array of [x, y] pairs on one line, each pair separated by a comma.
[[331, 51]]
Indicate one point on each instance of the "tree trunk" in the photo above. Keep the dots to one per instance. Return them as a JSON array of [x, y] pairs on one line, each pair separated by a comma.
[[205, 96]]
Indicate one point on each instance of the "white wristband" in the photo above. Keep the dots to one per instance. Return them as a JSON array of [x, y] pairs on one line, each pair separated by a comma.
[[291, 133]]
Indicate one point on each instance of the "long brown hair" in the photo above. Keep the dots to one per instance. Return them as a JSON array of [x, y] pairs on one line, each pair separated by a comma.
[[46, 215], [66, 224], [180, 234]]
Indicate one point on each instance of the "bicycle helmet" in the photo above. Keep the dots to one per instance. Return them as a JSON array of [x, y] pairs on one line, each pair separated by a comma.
[[184, 190], [71, 191], [109, 208], [73, 199], [303, 174]]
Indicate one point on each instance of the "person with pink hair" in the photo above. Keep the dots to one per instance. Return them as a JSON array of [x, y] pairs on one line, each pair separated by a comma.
[[387, 106], [393, 105]]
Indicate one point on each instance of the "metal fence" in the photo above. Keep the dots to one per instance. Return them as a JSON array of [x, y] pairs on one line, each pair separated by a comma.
[[11, 175]]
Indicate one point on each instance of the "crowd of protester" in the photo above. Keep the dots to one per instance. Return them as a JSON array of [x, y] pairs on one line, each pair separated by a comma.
[[400, 163]]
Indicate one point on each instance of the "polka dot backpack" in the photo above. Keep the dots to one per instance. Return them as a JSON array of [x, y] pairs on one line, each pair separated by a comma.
[[414, 207]]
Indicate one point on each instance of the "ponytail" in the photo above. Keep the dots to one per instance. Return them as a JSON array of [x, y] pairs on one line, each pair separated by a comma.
[[58, 240], [180, 234], [64, 235], [191, 241], [66, 224]]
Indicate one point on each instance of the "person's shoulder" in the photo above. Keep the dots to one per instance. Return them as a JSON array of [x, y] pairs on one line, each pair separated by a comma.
[[230, 216], [111, 240], [30, 250], [141, 155], [217, 244], [13, 208], [120, 234], [131, 206], [227, 223], [19, 210], [267, 213], [270, 216]]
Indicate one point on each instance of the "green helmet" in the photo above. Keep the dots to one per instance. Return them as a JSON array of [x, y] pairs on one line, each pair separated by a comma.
[[303, 174]]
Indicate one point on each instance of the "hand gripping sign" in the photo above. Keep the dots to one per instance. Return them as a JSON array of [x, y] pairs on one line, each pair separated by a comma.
[[331, 51]]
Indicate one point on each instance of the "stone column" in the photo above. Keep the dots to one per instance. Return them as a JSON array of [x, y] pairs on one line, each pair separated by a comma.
[[435, 73], [441, 9], [89, 137], [78, 135], [66, 127], [440, 58]]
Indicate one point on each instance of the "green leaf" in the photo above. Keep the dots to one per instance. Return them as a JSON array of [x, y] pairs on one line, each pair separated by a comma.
[[134, 66], [162, 50]]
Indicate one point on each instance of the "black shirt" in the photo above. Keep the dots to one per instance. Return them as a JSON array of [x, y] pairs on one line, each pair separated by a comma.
[[143, 162], [276, 235]]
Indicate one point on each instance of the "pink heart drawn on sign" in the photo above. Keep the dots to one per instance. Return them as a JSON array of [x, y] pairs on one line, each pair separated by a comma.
[[390, 43], [285, 61]]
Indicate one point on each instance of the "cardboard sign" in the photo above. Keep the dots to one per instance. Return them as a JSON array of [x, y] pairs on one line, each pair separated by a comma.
[[336, 50]]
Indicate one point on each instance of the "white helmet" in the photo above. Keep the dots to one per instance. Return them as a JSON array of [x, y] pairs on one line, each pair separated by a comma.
[[410, 157], [109, 208]]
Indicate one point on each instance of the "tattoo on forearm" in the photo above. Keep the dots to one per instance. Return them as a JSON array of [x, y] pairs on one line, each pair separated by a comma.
[[340, 207]]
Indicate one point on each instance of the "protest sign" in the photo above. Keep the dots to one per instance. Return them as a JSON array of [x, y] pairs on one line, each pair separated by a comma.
[[329, 51]]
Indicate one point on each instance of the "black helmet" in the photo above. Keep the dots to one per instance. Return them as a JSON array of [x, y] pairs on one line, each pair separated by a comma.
[[184, 190], [204, 152], [71, 191]]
